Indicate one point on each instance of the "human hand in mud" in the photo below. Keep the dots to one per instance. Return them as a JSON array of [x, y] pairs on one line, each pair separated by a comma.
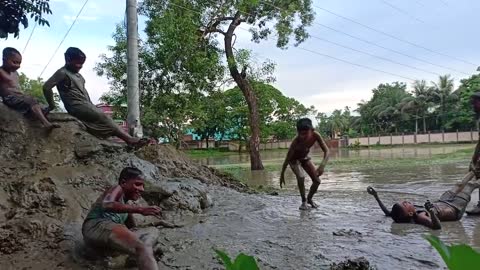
[[151, 211], [372, 191], [428, 206]]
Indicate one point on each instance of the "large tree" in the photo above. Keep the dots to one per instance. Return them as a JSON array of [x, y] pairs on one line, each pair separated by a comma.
[[444, 96], [419, 103], [277, 113], [175, 71], [16, 12], [283, 18]]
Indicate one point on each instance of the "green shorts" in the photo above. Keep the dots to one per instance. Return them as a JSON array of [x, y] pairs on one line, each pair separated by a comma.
[[97, 233]]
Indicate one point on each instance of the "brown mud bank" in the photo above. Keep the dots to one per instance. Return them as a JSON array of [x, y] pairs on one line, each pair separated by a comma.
[[50, 179]]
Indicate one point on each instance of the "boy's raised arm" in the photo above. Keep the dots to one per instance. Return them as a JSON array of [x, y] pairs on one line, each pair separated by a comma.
[[48, 86], [374, 193]]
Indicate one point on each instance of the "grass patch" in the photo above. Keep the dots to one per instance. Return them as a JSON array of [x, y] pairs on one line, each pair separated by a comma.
[[212, 152]]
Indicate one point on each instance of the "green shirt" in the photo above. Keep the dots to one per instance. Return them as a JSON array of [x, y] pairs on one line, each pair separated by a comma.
[[98, 212]]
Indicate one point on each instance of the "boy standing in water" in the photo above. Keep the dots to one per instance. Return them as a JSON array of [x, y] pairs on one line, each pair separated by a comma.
[[298, 159], [12, 94], [71, 87]]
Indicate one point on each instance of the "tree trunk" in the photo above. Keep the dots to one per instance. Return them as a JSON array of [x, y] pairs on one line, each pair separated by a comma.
[[251, 99], [207, 142], [416, 124], [424, 125]]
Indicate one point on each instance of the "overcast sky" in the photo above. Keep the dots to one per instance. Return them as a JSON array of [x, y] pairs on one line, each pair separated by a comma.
[[446, 29]]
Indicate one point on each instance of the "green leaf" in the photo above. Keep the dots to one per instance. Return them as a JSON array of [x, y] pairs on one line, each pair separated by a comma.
[[225, 259], [456, 257], [244, 262]]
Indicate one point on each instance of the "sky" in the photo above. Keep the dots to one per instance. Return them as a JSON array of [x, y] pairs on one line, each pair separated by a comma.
[[445, 32]]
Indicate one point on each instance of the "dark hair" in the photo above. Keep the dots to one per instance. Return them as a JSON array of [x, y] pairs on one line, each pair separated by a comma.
[[9, 51], [129, 173], [399, 214], [74, 53], [304, 124]]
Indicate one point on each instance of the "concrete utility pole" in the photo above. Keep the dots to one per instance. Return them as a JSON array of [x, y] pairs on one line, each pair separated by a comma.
[[133, 93]]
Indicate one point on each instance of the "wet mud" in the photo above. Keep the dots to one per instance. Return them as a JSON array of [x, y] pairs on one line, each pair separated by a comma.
[[50, 181]]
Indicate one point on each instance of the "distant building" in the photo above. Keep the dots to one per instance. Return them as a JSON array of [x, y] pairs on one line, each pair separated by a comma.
[[109, 110]]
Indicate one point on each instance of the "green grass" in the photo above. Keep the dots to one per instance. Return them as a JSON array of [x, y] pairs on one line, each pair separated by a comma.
[[204, 153]]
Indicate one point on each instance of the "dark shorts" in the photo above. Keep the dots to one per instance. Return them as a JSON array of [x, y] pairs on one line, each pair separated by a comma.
[[297, 167], [459, 202], [22, 103]]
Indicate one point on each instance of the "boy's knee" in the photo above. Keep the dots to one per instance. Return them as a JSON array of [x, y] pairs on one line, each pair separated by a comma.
[[316, 180]]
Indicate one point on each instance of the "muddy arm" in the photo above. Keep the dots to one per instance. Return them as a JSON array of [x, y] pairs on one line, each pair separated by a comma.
[[130, 222], [111, 203], [374, 193], [326, 153], [49, 84], [431, 221], [289, 156]]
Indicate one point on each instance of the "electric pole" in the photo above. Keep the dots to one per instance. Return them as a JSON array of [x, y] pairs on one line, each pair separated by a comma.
[[133, 93]]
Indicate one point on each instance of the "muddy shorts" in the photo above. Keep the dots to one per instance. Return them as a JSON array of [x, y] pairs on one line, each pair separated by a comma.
[[297, 168], [97, 232], [459, 202], [22, 103]]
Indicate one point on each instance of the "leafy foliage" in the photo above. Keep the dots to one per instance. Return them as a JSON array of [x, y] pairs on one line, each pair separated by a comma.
[[16, 12], [34, 88], [456, 257], [242, 262]]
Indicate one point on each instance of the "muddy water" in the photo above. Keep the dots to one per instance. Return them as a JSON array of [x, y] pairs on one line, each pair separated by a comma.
[[282, 237]]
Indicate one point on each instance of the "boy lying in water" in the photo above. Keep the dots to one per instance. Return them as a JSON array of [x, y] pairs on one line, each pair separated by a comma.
[[450, 207]]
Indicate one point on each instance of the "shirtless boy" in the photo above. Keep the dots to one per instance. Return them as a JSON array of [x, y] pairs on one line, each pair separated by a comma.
[[71, 87], [449, 207], [110, 218], [475, 163], [11, 93], [297, 158]]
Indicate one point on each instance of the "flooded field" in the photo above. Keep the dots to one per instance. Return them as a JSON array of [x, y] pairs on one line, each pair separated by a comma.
[[282, 237]]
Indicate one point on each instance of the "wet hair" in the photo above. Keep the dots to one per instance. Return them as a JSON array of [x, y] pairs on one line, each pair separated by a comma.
[[399, 214], [304, 124], [74, 53], [129, 173], [9, 52]]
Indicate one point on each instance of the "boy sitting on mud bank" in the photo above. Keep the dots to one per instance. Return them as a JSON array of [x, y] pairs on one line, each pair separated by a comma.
[[449, 207], [71, 87], [12, 95], [297, 158], [110, 217]]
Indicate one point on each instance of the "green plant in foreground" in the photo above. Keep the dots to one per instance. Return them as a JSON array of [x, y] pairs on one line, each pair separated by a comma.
[[242, 262], [457, 257]]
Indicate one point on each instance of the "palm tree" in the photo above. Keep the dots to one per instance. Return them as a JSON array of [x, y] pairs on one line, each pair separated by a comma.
[[443, 90], [419, 103]]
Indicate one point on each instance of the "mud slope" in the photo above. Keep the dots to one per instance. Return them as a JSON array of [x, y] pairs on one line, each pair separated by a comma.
[[50, 179]]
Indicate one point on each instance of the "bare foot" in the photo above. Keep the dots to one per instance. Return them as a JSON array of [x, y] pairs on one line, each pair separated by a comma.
[[313, 204], [303, 206]]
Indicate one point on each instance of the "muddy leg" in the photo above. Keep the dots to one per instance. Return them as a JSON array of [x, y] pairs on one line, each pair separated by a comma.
[[312, 172], [301, 184], [37, 111], [129, 242]]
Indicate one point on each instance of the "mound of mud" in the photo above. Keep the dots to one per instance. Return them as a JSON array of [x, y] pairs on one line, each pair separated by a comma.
[[50, 179]]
